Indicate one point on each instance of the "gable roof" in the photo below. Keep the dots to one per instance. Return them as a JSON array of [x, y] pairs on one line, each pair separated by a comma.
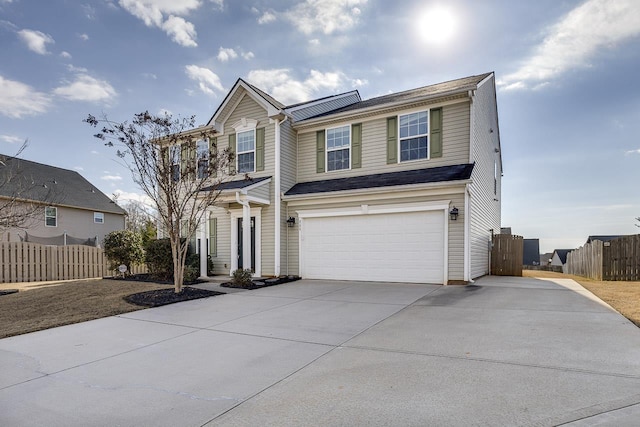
[[52, 185], [419, 176], [562, 254], [439, 89], [238, 184]]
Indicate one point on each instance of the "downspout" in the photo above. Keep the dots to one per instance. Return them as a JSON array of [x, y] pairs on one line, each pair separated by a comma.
[[278, 200], [467, 245]]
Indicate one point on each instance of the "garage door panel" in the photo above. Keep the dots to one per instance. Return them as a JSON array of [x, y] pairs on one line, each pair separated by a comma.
[[401, 247]]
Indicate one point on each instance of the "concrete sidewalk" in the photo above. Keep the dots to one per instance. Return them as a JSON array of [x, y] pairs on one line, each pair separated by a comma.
[[505, 351]]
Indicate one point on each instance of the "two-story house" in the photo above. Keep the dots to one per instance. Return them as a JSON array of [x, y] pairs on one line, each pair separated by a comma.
[[60, 207], [399, 188]]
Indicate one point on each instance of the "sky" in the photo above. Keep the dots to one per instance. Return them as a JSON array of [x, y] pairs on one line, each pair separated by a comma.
[[567, 71]]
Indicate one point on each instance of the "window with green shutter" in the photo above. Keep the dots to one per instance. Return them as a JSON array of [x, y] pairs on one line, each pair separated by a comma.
[[260, 149], [392, 140], [213, 237], [320, 147], [232, 149], [356, 146]]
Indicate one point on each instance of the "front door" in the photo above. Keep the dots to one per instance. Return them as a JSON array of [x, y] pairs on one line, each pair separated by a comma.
[[253, 243]]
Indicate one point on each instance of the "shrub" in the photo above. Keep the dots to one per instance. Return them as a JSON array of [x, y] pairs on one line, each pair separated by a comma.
[[123, 247], [160, 261], [242, 278]]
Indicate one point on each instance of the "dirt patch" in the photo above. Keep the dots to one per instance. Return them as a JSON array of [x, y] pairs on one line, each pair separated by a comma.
[[624, 297], [159, 297], [68, 303]]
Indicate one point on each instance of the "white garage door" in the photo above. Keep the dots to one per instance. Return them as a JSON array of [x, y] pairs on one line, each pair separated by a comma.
[[397, 247]]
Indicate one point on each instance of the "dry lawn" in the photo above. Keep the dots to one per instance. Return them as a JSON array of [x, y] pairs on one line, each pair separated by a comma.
[[73, 302], [622, 296]]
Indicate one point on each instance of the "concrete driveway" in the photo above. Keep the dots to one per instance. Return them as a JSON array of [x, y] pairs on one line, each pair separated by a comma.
[[507, 351]]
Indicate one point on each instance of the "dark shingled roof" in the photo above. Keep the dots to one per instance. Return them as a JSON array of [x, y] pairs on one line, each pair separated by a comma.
[[237, 184], [531, 251], [466, 83], [51, 185], [562, 254], [419, 176], [603, 238]]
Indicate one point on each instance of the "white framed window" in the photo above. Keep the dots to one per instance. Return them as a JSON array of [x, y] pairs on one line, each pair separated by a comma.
[[98, 217], [246, 151], [50, 216], [414, 136], [202, 159], [338, 148], [174, 157]]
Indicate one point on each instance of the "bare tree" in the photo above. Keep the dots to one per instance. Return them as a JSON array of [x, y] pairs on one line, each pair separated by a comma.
[[140, 219], [21, 197], [166, 160]]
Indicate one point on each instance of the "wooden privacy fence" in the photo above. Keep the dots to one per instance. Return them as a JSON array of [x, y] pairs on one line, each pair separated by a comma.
[[618, 259], [33, 262], [506, 255], [587, 260]]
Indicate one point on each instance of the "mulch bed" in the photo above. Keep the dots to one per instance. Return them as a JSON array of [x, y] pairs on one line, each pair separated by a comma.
[[160, 297], [258, 284]]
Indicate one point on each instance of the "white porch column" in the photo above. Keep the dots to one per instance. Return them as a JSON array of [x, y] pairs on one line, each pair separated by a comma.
[[246, 236], [203, 233]]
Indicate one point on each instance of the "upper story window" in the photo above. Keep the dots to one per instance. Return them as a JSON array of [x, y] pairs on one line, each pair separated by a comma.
[[98, 217], [202, 159], [174, 156], [339, 148], [414, 136], [246, 150], [50, 216]]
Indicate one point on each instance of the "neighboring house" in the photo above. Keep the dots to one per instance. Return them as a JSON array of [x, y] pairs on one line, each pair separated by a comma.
[[545, 259], [530, 252], [66, 207], [404, 187], [559, 258], [505, 230], [603, 238]]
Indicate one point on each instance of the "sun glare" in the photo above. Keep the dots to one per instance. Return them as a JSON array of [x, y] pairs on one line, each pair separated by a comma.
[[437, 25]]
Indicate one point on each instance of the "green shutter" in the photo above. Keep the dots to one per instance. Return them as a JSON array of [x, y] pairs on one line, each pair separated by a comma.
[[320, 146], [213, 156], [392, 140], [260, 149], [184, 160], [192, 160], [435, 132], [356, 146], [232, 149], [213, 242]]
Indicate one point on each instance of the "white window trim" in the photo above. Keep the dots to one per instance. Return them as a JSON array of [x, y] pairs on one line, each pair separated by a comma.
[[48, 216], [175, 156], [238, 152], [428, 135], [205, 141], [245, 125], [327, 150], [97, 215]]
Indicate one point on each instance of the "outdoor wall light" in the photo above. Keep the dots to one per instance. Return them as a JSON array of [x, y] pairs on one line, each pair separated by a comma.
[[453, 214], [291, 221]]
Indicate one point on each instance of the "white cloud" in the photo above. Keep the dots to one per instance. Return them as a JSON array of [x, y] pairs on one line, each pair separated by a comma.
[[86, 88], [314, 42], [164, 112], [637, 151], [226, 53], [111, 178], [94, 152], [247, 55], [150, 76], [11, 139], [64, 54], [36, 41], [89, 11], [84, 36], [218, 4], [127, 196], [325, 16], [208, 81], [153, 12], [181, 31], [267, 17], [575, 40], [18, 99], [282, 86], [78, 168]]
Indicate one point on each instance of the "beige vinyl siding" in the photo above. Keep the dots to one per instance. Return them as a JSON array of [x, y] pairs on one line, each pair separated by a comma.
[[263, 191], [485, 205], [456, 228], [249, 109], [288, 170], [222, 260], [374, 147]]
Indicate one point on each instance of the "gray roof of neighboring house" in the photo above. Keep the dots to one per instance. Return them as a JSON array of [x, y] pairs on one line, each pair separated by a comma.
[[562, 254], [419, 176], [52, 185], [530, 251], [467, 83], [603, 238]]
